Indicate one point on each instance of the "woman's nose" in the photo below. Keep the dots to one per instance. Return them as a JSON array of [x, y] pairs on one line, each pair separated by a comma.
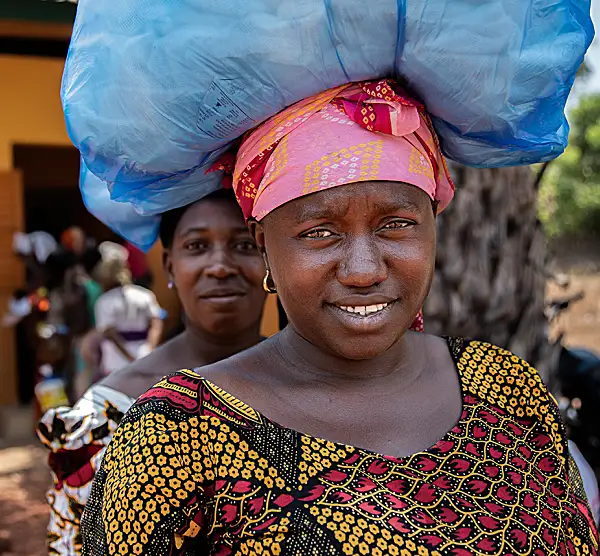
[[221, 265], [362, 264]]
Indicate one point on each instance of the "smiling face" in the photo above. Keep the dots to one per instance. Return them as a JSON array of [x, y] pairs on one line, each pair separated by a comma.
[[352, 264], [216, 268]]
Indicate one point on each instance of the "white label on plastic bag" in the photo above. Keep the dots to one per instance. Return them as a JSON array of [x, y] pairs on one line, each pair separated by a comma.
[[220, 117]]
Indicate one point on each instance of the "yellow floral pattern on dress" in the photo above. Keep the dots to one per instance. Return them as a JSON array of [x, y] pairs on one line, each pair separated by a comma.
[[206, 474]]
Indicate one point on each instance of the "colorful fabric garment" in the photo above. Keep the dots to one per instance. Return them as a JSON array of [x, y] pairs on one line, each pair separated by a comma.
[[130, 311], [369, 131], [77, 438], [589, 480], [194, 470]]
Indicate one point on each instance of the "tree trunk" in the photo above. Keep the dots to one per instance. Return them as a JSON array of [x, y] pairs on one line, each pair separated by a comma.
[[490, 274]]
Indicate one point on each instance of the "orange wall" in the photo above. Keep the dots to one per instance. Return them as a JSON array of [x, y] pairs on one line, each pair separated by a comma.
[[30, 109]]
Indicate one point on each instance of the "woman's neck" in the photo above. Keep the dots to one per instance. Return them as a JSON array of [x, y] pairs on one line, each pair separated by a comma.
[[309, 363], [208, 348]]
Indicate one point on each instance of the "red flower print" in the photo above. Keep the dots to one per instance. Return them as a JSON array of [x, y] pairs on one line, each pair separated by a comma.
[[448, 516], [365, 485], [378, 468], [426, 494]]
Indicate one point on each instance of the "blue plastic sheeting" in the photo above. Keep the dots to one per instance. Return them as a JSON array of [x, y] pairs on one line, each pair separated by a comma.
[[121, 218], [153, 90]]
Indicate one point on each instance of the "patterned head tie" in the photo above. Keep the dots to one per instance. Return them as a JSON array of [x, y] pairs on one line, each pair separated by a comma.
[[369, 131]]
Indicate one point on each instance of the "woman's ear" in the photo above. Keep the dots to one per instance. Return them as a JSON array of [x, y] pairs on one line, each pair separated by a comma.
[[258, 234], [167, 265]]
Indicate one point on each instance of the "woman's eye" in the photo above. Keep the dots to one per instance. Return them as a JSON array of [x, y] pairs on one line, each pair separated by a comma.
[[196, 246], [397, 225], [318, 234], [246, 246]]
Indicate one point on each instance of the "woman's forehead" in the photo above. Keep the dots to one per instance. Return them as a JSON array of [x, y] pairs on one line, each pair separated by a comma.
[[209, 214], [374, 197]]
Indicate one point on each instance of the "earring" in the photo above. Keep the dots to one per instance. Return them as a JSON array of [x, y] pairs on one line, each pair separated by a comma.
[[171, 284], [268, 284]]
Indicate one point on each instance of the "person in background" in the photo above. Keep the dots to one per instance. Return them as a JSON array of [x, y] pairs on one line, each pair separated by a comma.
[[73, 239], [79, 293], [351, 432], [128, 317], [140, 273], [213, 265], [69, 314], [33, 249]]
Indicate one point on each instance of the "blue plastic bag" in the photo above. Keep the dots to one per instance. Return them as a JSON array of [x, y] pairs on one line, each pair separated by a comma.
[[153, 88], [121, 218]]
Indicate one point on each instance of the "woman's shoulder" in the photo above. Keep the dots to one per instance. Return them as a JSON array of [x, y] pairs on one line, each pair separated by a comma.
[[92, 420], [138, 376], [203, 394], [188, 394], [508, 384], [483, 364]]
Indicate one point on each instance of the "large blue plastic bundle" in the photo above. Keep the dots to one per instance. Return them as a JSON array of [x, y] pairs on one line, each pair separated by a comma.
[[122, 218], [153, 90]]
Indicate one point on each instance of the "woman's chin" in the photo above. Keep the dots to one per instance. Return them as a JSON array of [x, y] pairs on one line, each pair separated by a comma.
[[228, 325], [361, 349]]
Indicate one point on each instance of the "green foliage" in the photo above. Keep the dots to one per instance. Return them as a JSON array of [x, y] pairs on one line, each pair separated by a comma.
[[569, 202]]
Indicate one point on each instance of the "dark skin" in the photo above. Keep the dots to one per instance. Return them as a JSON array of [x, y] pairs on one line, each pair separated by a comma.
[[360, 380], [218, 273]]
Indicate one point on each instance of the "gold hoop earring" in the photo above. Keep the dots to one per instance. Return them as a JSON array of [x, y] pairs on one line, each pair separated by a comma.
[[268, 284]]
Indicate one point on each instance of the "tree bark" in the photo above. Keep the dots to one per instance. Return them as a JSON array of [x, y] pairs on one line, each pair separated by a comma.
[[490, 274]]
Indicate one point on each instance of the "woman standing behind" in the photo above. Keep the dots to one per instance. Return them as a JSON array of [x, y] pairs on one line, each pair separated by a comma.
[[214, 265], [348, 433], [128, 317]]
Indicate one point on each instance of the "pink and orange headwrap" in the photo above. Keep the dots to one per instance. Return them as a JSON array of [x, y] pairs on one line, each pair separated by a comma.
[[368, 131]]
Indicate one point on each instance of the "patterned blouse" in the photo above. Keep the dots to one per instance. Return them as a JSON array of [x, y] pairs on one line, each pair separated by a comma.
[[192, 470], [77, 438]]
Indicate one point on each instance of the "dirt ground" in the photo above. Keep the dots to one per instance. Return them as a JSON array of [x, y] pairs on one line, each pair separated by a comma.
[[581, 322], [24, 478]]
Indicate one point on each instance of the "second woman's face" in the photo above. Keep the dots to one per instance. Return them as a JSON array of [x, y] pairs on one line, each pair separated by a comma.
[[216, 268], [352, 264]]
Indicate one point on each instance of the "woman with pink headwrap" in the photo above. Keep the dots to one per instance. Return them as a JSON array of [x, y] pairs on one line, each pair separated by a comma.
[[351, 431]]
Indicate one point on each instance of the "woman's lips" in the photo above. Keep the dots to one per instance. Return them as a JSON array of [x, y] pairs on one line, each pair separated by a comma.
[[363, 318], [222, 297]]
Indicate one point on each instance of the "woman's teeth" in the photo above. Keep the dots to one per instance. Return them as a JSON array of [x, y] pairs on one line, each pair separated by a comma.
[[364, 310]]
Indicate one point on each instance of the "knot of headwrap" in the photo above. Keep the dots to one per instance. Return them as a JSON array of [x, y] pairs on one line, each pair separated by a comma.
[[369, 131]]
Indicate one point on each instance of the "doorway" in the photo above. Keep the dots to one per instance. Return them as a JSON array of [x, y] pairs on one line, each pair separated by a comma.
[[51, 203]]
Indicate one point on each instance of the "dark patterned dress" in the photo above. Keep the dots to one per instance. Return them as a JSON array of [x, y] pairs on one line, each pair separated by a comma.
[[193, 470]]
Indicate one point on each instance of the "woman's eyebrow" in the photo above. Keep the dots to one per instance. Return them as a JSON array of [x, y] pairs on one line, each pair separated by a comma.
[[315, 213], [403, 204], [201, 229], [335, 210]]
